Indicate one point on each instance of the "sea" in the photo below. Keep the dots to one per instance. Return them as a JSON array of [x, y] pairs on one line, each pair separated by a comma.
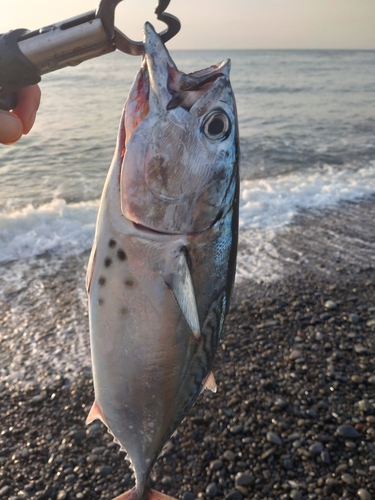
[[307, 136]]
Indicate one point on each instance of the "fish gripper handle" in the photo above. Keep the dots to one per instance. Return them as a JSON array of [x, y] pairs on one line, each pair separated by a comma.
[[16, 71]]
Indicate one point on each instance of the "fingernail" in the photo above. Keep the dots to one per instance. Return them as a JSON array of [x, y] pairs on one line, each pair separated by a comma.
[[29, 122]]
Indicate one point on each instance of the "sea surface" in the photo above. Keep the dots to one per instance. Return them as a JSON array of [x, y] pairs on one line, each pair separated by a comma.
[[307, 128]]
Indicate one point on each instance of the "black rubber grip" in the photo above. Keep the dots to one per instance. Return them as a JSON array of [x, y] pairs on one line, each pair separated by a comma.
[[16, 71]]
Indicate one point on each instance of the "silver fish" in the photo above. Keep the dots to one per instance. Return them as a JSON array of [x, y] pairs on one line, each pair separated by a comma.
[[162, 266]]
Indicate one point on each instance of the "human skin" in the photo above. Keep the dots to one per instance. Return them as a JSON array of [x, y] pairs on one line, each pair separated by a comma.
[[18, 122]]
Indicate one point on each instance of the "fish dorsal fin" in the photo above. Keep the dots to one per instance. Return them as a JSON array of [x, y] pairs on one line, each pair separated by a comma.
[[181, 284], [210, 383], [95, 413]]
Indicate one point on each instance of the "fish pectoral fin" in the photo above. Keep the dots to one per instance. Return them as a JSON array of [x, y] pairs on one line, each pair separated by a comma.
[[95, 413], [90, 267], [210, 383], [180, 282]]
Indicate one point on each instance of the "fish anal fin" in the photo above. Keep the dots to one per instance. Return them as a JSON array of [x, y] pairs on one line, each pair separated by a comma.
[[147, 495], [180, 282], [210, 383], [95, 413]]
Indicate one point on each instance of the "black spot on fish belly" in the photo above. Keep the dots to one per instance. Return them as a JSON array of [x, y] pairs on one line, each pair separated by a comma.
[[129, 282], [121, 254], [107, 262], [111, 243], [100, 302], [123, 311], [101, 280]]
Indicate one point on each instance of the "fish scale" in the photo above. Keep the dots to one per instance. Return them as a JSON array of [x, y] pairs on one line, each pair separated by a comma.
[[162, 266]]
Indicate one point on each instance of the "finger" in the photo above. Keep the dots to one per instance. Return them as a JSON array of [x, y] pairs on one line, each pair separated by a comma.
[[11, 128], [28, 100]]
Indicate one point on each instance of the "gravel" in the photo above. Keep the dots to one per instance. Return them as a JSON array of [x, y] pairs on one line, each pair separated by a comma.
[[294, 415]]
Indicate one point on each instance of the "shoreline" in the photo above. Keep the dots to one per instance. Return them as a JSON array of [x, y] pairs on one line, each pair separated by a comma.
[[291, 370]]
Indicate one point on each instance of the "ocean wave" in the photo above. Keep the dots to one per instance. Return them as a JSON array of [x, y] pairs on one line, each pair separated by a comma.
[[266, 204], [53, 227], [273, 202]]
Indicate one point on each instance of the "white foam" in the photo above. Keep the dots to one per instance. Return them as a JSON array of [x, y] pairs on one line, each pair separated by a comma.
[[274, 201], [56, 226], [269, 205]]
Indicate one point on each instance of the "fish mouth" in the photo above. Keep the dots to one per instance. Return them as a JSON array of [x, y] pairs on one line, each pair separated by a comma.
[[169, 87]]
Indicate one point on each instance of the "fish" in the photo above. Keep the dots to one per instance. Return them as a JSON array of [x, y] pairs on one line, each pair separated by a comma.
[[162, 266]]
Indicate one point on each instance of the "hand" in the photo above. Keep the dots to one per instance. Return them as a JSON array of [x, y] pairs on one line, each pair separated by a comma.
[[19, 121]]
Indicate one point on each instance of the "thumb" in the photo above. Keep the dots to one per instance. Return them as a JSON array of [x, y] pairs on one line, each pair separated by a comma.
[[11, 128]]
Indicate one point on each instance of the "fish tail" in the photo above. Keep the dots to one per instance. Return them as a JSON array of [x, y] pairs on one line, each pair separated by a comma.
[[147, 495]]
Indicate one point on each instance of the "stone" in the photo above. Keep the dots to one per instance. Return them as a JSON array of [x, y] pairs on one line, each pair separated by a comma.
[[353, 318], [99, 450], [347, 431], [4, 491], [38, 398], [325, 457], [329, 305], [274, 438], [78, 435], [295, 495], [316, 448], [233, 495], [236, 429], [295, 354], [216, 465], [360, 349], [347, 478], [364, 494], [188, 495], [211, 490], [229, 455], [104, 470], [244, 479], [365, 406]]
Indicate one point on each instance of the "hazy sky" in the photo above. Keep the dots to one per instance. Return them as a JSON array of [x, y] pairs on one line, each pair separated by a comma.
[[223, 24]]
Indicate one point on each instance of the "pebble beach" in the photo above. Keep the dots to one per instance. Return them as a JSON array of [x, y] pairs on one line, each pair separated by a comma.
[[294, 415]]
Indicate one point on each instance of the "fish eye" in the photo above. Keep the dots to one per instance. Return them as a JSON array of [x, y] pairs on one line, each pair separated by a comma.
[[217, 125]]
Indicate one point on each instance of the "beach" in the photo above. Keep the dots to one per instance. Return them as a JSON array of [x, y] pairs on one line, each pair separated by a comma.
[[294, 414]]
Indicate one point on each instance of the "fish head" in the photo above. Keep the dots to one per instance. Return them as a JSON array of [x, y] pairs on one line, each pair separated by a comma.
[[181, 144]]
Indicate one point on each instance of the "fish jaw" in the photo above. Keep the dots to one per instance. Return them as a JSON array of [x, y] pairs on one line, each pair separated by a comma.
[[176, 169]]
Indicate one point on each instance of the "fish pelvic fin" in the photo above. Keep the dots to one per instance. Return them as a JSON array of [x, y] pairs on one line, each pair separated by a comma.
[[210, 383], [95, 413], [147, 495], [181, 283]]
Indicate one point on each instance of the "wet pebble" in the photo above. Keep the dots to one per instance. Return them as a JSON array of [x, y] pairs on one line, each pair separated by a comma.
[[244, 479], [211, 490], [347, 478], [274, 438], [364, 494], [216, 465], [316, 448], [229, 455], [347, 431]]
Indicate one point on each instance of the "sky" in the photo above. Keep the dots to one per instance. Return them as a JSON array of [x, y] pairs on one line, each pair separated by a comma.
[[223, 24]]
